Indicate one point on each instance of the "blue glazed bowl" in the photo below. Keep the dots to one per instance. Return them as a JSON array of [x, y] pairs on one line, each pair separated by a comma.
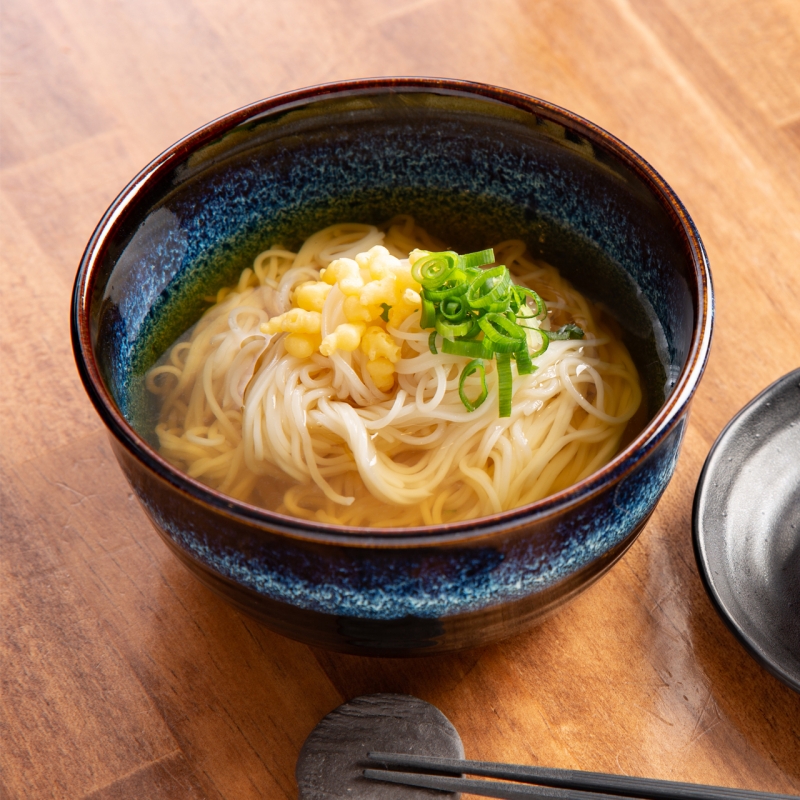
[[475, 164]]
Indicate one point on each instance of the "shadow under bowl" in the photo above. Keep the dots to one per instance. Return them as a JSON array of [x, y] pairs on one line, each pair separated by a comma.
[[474, 164]]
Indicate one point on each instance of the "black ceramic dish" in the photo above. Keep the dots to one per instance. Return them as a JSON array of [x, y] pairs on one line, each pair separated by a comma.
[[475, 164], [747, 527]]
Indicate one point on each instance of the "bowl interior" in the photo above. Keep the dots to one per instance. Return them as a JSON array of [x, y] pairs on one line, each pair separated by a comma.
[[473, 170]]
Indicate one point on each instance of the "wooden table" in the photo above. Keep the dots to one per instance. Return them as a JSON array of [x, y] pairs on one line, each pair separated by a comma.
[[122, 677]]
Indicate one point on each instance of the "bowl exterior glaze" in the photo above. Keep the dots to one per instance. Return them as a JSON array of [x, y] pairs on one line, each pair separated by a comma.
[[484, 164], [418, 596]]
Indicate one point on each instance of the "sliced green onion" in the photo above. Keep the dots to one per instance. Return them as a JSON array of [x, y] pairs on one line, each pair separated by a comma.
[[523, 292], [504, 383], [481, 295], [504, 334], [477, 259], [474, 330], [473, 366], [461, 300], [524, 364], [434, 269], [568, 331], [451, 290], [545, 343], [454, 309], [428, 317], [471, 349], [501, 305], [451, 330], [385, 313]]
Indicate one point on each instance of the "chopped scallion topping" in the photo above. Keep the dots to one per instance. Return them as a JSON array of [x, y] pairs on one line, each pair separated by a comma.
[[461, 301], [504, 382], [471, 349], [474, 365]]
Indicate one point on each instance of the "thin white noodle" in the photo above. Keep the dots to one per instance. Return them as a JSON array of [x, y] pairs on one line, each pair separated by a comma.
[[317, 438]]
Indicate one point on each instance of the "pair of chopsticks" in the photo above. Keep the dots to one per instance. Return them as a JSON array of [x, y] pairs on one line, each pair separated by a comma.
[[559, 784]]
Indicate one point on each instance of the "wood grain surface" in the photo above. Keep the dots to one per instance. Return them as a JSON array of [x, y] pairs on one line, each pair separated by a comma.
[[121, 676]]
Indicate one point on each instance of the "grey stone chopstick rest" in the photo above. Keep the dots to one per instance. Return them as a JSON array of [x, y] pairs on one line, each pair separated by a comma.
[[334, 756]]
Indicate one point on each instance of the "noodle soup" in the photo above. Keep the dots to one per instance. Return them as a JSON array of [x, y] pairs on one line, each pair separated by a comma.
[[313, 388], [480, 165]]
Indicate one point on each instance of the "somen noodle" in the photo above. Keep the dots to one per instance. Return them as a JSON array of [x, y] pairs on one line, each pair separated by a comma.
[[300, 392]]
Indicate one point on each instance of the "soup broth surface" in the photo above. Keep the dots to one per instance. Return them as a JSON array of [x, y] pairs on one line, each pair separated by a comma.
[[310, 388]]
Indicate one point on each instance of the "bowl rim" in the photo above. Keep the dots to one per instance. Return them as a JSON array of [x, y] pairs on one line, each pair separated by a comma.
[[625, 462]]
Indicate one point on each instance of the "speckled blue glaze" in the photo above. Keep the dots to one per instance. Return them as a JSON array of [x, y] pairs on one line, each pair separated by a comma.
[[528, 181], [422, 583], [476, 165]]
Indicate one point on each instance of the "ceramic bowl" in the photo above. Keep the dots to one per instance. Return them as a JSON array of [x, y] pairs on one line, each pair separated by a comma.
[[475, 164]]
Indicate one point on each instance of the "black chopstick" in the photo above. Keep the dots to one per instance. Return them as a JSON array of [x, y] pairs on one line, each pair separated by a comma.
[[620, 785], [504, 791]]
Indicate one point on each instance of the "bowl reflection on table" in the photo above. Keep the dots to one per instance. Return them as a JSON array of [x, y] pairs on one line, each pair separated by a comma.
[[474, 164]]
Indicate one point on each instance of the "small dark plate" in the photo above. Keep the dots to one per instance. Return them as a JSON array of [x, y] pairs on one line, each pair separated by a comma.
[[747, 527]]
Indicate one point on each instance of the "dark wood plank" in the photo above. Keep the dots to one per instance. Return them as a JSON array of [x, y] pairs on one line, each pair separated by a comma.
[[225, 688], [170, 778], [74, 715]]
